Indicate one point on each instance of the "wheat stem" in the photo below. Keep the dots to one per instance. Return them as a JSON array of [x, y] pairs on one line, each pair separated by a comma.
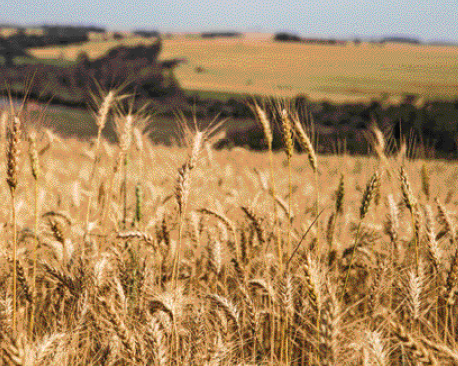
[[13, 205], [365, 204], [11, 179], [101, 121]]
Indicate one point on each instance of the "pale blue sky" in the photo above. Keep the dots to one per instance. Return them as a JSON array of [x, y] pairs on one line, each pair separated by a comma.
[[425, 19]]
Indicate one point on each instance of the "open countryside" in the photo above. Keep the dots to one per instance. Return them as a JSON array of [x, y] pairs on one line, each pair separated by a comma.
[[339, 73], [233, 201]]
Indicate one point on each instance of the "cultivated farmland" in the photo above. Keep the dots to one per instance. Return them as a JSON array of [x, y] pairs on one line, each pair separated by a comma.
[[339, 73], [133, 254], [320, 71]]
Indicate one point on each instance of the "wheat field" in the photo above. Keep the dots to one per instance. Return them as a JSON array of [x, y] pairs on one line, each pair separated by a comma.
[[134, 254], [342, 74]]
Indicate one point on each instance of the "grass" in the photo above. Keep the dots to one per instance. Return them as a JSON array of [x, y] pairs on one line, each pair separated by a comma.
[[207, 274], [33, 61]]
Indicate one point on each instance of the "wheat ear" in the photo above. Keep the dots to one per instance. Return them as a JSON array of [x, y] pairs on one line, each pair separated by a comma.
[[289, 148], [264, 121], [340, 195], [332, 222], [228, 224], [11, 179], [446, 221], [379, 145], [261, 116], [451, 289], [305, 142], [407, 195], [101, 120], [329, 330], [375, 349], [182, 189], [434, 251], [392, 222], [368, 196], [411, 203], [425, 181], [254, 218]]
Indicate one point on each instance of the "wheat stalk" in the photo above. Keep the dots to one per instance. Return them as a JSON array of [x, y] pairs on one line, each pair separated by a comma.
[[182, 189], [329, 330], [411, 203], [227, 223], [101, 120], [419, 352], [254, 218], [379, 145], [261, 116], [392, 221], [304, 142], [434, 251], [415, 289], [12, 158], [407, 195], [368, 195], [36, 173], [289, 148], [446, 221], [425, 181], [340, 195], [364, 208]]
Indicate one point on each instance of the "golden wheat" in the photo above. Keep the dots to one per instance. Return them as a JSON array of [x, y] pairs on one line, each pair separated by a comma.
[[201, 280]]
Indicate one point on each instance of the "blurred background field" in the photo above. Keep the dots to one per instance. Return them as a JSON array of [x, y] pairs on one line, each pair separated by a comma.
[[337, 73]]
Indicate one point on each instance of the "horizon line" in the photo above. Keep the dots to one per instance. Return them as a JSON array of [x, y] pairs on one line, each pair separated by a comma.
[[373, 37]]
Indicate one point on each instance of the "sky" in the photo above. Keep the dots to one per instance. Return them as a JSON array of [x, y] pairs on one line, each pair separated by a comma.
[[427, 20]]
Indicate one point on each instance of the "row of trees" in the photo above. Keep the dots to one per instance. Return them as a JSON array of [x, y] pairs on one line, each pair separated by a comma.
[[137, 70], [16, 44], [291, 37]]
